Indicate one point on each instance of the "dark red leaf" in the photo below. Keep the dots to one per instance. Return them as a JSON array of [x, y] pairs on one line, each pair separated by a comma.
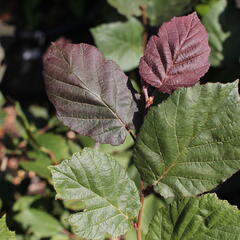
[[90, 94], [178, 56]]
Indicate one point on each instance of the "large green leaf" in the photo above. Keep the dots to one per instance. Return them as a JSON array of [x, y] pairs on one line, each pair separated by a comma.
[[5, 234], [90, 93], [128, 7], [201, 218], [191, 142], [111, 199], [40, 223], [121, 42], [160, 11]]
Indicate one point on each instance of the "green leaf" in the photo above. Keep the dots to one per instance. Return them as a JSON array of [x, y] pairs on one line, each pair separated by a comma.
[[55, 143], [128, 7], [201, 218], [39, 111], [123, 158], [107, 148], [60, 237], [73, 147], [86, 141], [160, 11], [24, 202], [2, 99], [215, 31], [5, 234], [75, 205], [222, 23], [190, 143], [121, 42], [3, 116], [40, 223], [39, 163], [111, 199], [25, 128], [204, 6]]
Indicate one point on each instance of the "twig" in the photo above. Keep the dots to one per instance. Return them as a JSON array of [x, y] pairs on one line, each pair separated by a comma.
[[50, 154], [131, 133], [145, 90], [148, 101], [69, 234], [44, 129], [139, 221]]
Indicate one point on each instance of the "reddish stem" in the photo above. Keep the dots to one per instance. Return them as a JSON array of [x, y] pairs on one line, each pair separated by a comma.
[[139, 221]]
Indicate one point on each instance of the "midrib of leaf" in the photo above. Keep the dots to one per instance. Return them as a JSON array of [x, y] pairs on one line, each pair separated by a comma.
[[95, 95], [180, 47], [88, 189], [185, 148]]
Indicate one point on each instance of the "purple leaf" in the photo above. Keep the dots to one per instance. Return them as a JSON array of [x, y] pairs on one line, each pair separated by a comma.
[[178, 56], [90, 94]]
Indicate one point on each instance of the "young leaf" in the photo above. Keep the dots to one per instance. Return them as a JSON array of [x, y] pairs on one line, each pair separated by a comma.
[[121, 42], [191, 142], [178, 56], [110, 198], [90, 93], [5, 234], [201, 218]]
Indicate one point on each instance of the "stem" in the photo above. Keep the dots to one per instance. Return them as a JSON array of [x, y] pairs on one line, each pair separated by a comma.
[[132, 134], [145, 90], [139, 221], [69, 234], [150, 100], [50, 154]]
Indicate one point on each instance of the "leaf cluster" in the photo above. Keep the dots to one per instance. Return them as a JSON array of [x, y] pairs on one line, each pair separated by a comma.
[[139, 154]]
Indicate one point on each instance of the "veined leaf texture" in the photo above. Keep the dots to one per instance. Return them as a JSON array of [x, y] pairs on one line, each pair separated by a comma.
[[177, 56]]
